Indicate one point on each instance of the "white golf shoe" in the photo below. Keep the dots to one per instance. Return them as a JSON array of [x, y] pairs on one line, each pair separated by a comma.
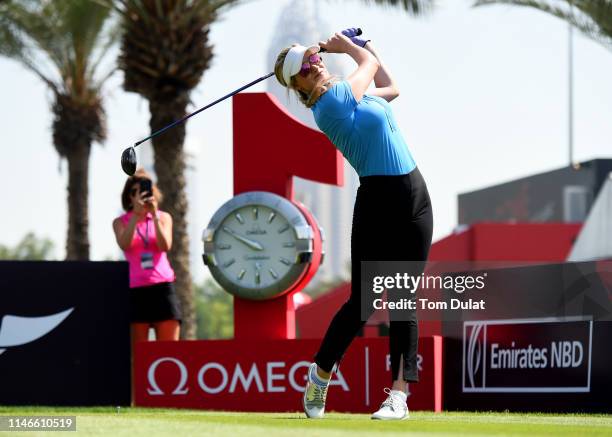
[[394, 407], [314, 396]]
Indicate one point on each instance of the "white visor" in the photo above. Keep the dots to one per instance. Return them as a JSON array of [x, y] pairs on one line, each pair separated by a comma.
[[293, 61]]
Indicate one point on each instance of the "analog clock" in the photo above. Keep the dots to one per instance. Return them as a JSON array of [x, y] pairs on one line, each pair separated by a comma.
[[258, 245]]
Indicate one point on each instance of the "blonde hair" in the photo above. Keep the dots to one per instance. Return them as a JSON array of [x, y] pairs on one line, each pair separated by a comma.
[[319, 89]]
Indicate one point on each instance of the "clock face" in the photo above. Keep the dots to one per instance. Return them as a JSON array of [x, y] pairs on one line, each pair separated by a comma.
[[258, 245], [255, 246]]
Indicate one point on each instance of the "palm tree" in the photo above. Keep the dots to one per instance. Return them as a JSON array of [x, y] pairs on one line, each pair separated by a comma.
[[592, 17], [63, 42], [164, 52]]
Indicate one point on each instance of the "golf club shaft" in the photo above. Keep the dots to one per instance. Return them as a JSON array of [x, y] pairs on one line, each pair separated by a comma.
[[171, 125], [162, 130]]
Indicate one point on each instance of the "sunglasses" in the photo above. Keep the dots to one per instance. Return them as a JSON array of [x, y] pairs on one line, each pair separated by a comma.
[[312, 59]]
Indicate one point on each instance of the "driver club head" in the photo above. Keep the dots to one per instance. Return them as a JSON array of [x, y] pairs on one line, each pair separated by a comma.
[[128, 161]]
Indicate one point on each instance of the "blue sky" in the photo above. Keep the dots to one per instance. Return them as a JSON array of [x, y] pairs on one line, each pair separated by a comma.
[[483, 100]]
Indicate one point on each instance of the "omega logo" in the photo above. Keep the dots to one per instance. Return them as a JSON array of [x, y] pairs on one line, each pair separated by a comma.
[[256, 231], [271, 380], [180, 388]]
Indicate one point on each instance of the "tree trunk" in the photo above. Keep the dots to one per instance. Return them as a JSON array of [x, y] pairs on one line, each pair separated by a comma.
[[170, 170], [77, 240]]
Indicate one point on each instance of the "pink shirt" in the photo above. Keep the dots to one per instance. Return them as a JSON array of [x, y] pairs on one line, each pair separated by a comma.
[[161, 271]]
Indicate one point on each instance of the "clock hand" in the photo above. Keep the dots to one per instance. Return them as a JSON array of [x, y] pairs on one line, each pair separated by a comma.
[[257, 272], [251, 243]]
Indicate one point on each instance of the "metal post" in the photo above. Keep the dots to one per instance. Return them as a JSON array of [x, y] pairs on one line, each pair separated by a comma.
[[571, 95]]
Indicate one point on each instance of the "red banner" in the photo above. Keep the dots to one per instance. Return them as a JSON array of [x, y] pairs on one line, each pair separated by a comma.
[[240, 375]]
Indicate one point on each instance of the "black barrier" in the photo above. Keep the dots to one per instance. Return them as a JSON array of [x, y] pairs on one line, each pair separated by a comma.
[[567, 368], [548, 364], [64, 333]]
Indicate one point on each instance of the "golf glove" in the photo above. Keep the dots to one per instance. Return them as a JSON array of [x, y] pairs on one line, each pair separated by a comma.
[[351, 33]]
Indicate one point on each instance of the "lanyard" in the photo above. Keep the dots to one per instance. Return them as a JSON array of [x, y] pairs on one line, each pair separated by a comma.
[[145, 238]]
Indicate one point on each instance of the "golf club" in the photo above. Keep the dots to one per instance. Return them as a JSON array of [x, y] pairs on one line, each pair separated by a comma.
[[128, 157]]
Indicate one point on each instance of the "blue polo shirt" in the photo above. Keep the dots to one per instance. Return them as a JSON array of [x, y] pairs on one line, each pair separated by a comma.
[[366, 132]]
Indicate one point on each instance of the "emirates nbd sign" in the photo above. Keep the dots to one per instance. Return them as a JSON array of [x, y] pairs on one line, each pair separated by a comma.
[[527, 355]]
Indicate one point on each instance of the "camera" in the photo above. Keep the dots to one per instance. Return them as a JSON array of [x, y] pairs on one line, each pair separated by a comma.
[[146, 186]]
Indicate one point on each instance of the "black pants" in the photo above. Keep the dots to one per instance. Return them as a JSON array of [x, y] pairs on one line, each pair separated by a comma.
[[392, 221]]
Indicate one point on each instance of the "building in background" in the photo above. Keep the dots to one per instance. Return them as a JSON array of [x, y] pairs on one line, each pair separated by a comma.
[[595, 239], [301, 22], [562, 195]]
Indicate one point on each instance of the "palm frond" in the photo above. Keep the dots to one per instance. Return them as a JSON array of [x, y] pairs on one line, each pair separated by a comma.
[[14, 45], [111, 37], [592, 17], [63, 42], [164, 46], [33, 30], [11, 45]]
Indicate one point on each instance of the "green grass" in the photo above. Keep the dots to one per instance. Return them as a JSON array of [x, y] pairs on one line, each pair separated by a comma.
[[178, 423]]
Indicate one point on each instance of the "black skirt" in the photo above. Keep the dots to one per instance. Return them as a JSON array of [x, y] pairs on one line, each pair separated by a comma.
[[154, 303]]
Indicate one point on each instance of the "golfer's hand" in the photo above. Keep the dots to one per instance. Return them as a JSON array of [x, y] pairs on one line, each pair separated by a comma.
[[351, 33], [337, 43]]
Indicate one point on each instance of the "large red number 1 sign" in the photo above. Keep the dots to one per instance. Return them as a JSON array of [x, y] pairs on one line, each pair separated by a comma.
[[270, 147]]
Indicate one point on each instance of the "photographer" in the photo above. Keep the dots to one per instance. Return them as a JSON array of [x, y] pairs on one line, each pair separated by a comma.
[[144, 233]]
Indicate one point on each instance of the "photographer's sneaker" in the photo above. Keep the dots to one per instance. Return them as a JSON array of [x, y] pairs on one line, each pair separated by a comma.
[[315, 394], [394, 407]]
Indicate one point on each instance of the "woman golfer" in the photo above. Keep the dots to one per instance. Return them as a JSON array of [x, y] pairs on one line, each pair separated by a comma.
[[392, 219]]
